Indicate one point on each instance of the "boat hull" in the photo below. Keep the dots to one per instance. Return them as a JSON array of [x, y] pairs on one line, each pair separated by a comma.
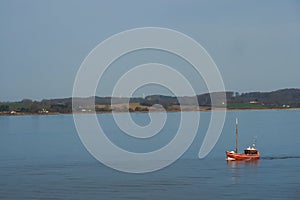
[[232, 156]]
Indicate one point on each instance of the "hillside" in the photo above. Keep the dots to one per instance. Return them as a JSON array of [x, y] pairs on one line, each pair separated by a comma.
[[285, 98]]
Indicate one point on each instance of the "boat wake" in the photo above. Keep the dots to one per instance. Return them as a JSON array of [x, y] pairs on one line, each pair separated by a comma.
[[278, 157]]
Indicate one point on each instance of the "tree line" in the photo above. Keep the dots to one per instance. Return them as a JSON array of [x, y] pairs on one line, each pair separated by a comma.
[[289, 98]]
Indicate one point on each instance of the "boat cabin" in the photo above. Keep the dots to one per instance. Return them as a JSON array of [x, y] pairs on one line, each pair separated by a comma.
[[251, 150]]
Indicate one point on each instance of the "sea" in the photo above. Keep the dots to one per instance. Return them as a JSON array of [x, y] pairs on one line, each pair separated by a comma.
[[42, 157]]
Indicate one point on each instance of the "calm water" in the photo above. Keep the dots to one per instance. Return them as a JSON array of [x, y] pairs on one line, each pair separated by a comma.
[[41, 157]]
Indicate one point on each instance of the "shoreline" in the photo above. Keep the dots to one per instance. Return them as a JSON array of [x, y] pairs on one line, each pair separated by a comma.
[[170, 111]]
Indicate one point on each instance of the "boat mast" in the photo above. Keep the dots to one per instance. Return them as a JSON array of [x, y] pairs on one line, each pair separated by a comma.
[[236, 135]]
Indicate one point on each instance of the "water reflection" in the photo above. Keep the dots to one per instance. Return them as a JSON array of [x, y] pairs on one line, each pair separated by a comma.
[[239, 169], [242, 164]]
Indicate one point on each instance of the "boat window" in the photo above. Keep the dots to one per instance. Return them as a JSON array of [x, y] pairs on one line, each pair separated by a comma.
[[250, 151]]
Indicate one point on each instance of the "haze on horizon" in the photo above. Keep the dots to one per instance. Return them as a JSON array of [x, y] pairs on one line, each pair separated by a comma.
[[255, 44]]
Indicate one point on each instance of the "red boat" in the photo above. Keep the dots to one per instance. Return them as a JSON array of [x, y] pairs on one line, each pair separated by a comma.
[[251, 153]]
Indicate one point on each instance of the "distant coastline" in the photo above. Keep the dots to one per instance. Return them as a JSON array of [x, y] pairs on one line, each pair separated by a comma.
[[190, 110], [285, 99]]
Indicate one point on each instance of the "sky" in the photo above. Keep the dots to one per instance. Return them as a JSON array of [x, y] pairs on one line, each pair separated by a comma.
[[255, 44]]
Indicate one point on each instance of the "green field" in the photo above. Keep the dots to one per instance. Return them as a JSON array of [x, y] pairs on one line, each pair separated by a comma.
[[246, 106]]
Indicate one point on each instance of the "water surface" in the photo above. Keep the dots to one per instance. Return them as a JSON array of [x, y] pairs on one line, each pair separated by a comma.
[[41, 157]]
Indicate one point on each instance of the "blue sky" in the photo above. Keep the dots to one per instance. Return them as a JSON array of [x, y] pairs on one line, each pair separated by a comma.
[[255, 44]]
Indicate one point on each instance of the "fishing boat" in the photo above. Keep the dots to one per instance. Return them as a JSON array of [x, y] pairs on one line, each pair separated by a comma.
[[250, 153]]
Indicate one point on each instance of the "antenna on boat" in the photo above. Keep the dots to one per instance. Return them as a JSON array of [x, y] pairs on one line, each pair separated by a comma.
[[254, 141], [236, 135]]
